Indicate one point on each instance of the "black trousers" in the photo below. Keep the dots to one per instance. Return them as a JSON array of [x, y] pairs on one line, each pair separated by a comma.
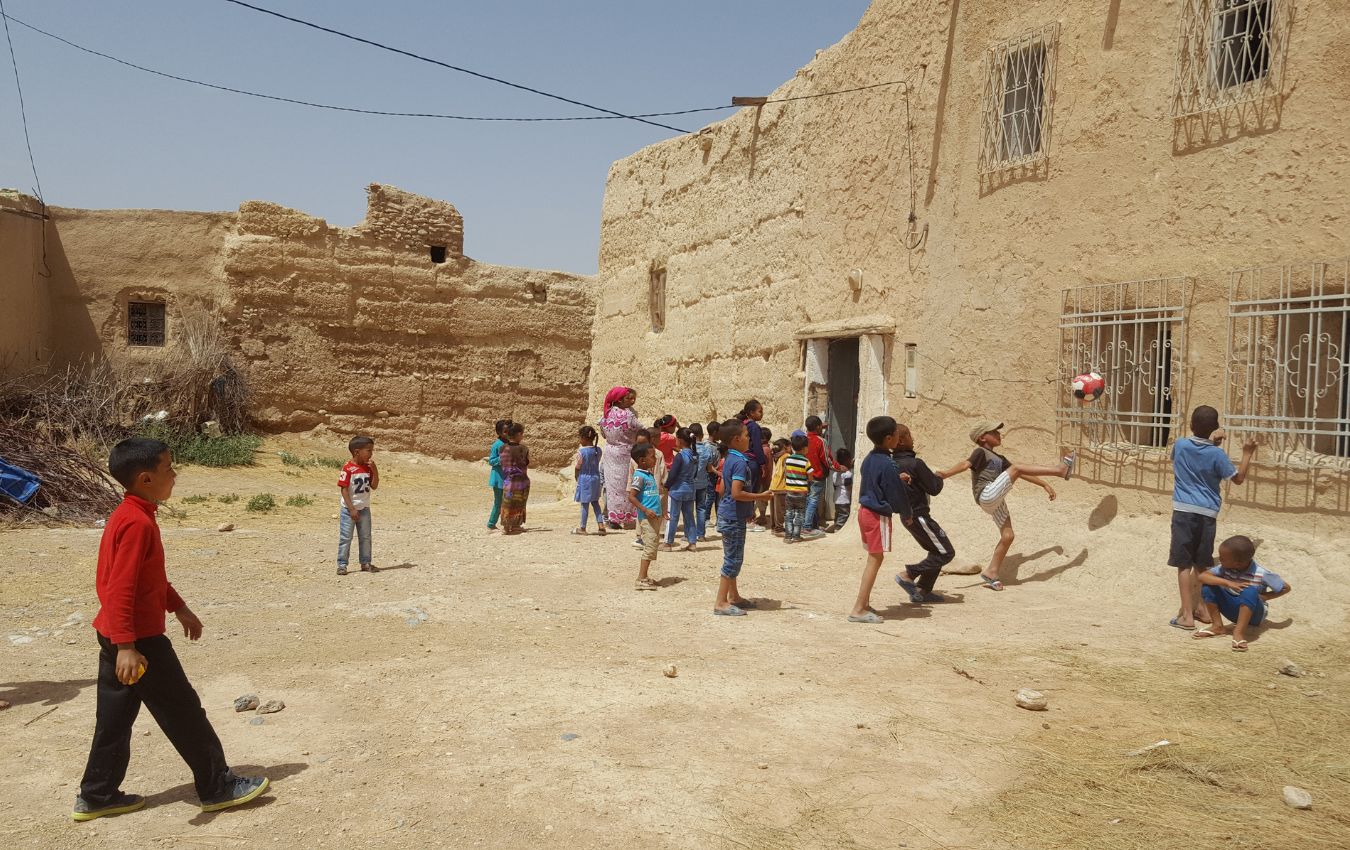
[[177, 709], [933, 539]]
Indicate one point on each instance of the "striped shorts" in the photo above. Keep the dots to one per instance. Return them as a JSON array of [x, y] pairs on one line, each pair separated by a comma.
[[992, 499]]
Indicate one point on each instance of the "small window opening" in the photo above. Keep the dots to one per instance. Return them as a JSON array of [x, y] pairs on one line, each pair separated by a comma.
[[1241, 46], [1023, 102], [911, 370], [437, 254], [657, 298], [145, 323]]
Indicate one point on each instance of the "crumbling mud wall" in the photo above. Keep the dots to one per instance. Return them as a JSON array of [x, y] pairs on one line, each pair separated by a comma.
[[25, 321], [360, 330]]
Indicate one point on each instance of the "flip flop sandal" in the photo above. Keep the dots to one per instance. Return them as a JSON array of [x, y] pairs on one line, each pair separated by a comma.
[[646, 584], [729, 611], [870, 617], [991, 583], [915, 595], [1204, 633], [1239, 646], [1174, 624], [1069, 462]]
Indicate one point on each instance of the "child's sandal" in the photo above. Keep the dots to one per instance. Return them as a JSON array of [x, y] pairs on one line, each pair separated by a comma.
[[1239, 646], [579, 531]]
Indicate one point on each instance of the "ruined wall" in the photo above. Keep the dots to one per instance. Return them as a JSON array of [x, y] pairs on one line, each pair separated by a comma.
[[25, 321], [357, 330], [759, 229]]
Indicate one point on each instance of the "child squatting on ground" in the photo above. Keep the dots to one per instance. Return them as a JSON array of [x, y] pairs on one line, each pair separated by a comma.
[[920, 485], [740, 481], [881, 495], [589, 485], [991, 477], [1199, 466], [357, 480], [136, 661], [1238, 589], [645, 497]]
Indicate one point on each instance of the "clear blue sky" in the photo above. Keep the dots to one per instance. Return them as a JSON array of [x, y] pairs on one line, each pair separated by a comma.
[[109, 136]]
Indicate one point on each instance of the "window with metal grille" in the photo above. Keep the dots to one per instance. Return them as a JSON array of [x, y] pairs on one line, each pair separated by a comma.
[[1231, 52], [1132, 334], [1288, 373], [1019, 89], [145, 323], [656, 297]]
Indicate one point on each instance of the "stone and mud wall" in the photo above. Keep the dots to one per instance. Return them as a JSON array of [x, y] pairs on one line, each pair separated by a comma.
[[25, 320], [759, 219]]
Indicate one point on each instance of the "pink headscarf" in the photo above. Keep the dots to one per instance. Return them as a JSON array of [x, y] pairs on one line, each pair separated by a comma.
[[613, 396]]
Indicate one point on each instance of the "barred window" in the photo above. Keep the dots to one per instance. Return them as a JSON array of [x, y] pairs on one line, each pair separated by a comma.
[[1288, 373], [656, 297], [145, 323], [1019, 88], [1231, 52], [1133, 334]]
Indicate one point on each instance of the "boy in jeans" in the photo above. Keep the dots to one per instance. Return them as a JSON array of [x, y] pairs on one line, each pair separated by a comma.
[[1238, 589], [136, 661], [358, 478], [1199, 465], [796, 485]]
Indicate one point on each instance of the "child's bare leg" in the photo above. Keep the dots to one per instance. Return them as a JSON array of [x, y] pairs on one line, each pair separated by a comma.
[[1005, 542], [869, 577], [1215, 625], [1018, 470], [1201, 612], [1190, 598], [642, 569], [726, 591], [1244, 619]]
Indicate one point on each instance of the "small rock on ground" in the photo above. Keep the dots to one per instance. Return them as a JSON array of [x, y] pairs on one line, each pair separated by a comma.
[[272, 706], [1289, 668], [225, 526], [1031, 700], [671, 671], [247, 702], [4, 704], [1297, 797]]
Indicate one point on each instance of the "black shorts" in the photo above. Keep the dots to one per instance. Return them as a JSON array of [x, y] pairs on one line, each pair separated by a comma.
[[1192, 541]]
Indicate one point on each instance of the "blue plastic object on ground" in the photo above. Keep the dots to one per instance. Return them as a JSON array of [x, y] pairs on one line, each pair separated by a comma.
[[18, 484]]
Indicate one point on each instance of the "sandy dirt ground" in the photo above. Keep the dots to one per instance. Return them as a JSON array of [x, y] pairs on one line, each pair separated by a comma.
[[483, 691]]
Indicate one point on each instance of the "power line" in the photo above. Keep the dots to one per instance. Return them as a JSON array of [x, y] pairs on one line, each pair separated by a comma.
[[336, 108], [461, 70], [23, 113], [435, 115]]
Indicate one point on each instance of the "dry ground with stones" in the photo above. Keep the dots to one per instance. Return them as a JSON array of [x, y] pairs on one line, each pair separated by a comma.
[[509, 692]]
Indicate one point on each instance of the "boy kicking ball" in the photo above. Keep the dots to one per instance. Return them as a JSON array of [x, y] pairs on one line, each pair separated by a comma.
[[1238, 589]]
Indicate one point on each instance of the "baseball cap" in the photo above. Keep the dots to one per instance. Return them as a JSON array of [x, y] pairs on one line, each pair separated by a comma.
[[983, 427], [798, 433]]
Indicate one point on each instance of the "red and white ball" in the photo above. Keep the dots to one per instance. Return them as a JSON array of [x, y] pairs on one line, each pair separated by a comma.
[[1088, 386]]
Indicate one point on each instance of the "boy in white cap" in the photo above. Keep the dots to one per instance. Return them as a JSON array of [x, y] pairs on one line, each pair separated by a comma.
[[991, 476]]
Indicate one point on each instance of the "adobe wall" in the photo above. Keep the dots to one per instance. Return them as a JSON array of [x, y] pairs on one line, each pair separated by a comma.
[[25, 321], [357, 330], [759, 231]]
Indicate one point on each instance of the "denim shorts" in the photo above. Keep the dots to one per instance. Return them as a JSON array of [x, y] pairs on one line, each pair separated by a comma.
[[1192, 541], [733, 545]]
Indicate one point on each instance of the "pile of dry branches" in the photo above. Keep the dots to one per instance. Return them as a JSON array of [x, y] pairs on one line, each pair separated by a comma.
[[74, 488]]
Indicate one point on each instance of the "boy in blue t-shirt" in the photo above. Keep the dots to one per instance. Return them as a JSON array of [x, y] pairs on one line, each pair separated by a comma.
[[1199, 465], [645, 497], [740, 480], [1238, 589]]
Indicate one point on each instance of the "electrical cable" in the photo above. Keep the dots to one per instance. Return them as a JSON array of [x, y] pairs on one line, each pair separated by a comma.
[[436, 115], [461, 70], [28, 142]]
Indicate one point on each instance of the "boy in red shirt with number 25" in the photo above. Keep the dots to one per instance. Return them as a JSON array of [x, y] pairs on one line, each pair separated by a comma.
[[136, 661], [358, 478]]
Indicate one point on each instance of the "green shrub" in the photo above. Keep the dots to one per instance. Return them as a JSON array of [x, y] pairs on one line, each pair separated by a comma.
[[194, 500], [262, 503], [199, 449], [299, 501], [289, 459], [330, 462], [228, 498]]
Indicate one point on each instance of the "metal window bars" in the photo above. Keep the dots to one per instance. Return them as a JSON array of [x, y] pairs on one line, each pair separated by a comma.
[[1018, 98], [1288, 374], [1133, 334], [145, 323], [1230, 52]]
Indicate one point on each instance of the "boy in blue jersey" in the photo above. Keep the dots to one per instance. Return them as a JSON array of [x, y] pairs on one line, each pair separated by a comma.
[[740, 481], [1199, 466], [645, 498]]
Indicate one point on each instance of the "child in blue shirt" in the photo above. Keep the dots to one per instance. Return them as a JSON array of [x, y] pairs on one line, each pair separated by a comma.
[[495, 480], [587, 469], [881, 494], [1199, 466], [740, 481], [705, 456], [645, 497], [1238, 589], [680, 488]]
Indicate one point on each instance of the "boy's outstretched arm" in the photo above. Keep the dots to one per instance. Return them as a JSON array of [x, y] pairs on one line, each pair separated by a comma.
[[955, 470], [1248, 452], [929, 481], [740, 494], [1042, 483]]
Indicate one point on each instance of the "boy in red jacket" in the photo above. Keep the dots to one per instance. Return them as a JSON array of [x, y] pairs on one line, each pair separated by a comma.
[[136, 662]]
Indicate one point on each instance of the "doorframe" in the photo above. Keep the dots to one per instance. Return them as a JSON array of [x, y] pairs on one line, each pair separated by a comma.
[[875, 346]]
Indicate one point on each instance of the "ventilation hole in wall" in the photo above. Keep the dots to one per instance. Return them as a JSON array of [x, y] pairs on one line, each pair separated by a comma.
[[438, 253]]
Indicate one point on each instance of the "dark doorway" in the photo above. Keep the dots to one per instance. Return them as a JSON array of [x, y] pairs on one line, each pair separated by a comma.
[[843, 393]]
